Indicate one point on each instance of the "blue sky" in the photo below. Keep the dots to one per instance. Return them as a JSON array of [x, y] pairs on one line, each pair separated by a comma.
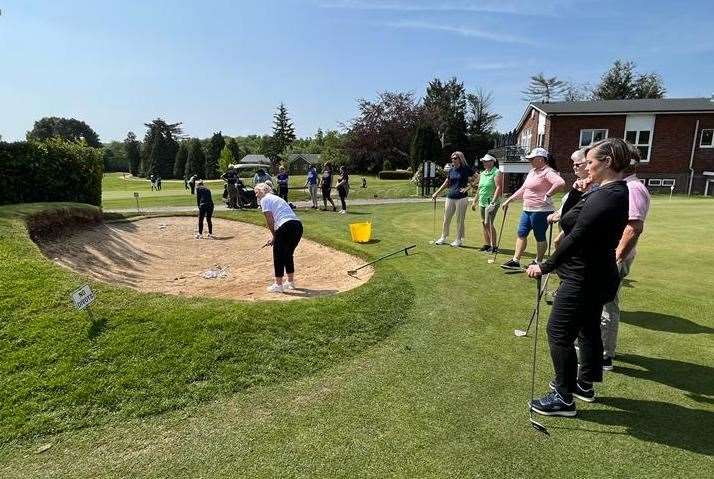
[[225, 65]]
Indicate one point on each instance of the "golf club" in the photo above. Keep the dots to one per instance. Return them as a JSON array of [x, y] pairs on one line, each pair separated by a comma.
[[406, 252], [433, 222], [267, 243], [536, 425], [519, 332], [500, 234]]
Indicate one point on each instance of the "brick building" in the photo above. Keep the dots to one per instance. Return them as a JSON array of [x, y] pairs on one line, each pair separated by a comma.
[[675, 136]]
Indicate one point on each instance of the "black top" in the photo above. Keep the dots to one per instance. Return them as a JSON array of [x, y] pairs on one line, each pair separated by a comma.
[[203, 196], [327, 179], [458, 179], [592, 229], [346, 178]]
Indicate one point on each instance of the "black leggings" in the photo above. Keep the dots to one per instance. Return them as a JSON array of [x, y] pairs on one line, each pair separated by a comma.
[[575, 314], [343, 195], [285, 241], [283, 192], [205, 211]]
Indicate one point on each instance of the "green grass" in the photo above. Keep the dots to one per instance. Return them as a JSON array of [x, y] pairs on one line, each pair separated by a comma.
[[417, 373], [118, 193]]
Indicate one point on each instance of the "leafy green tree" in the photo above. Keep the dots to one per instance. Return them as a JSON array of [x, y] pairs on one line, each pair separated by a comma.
[[481, 119], [68, 129], [543, 89], [196, 162], [212, 157], [180, 160], [445, 104], [622, 82], [225, 159], [319, 138], [425, 146], [133, 155], [163, 151], [233, 145]]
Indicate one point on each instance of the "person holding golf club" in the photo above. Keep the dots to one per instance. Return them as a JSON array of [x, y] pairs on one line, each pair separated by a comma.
[[581, 185], [537, 191], [585, 262], [204, 200], [286, 229], [458, 179], [311, 184], [490, 189]]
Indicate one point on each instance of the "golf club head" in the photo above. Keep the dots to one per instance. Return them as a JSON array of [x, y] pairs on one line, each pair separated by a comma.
[[539, 427], [520, 333]]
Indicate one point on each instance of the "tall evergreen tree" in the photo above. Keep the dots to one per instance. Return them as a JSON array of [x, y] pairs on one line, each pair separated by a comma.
[[481, 119], [180, 161], [232, 145], [425, 146], [445, 104], [543, 89], [212, 157], [196, 162], [166, 153], [133, 155], [225, 159], [283, 132], [622, 82]]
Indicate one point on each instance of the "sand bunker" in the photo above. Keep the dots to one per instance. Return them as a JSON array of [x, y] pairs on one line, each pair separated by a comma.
[[161, 255]]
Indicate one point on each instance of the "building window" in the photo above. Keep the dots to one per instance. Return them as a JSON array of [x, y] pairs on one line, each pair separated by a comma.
[[654, 182], [588, 137], [526, 136], [642, 139], [541, 139], [668, 183], [707, 140]]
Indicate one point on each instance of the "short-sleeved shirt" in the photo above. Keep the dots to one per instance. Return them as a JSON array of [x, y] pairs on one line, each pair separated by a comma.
[[639, 203], [458, 179], [326, 179], [312, 177], [283, 179], [282, 213], [487, 186]]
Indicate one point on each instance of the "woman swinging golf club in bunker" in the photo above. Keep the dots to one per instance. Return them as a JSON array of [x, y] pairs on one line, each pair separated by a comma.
[[287, 231], [457, 199], [585, 262]]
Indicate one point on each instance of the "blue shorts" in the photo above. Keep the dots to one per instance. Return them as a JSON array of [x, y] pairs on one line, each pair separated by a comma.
[[536, 221]]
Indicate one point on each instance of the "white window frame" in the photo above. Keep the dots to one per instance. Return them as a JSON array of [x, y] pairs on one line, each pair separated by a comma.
[[526, 137], [637, 143], [592, 134], [643, 181], [541, 140], [654, 182], [701, 139], [668, 182]]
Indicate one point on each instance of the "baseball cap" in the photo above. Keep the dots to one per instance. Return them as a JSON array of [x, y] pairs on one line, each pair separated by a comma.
[[537, 152], [488, 157]]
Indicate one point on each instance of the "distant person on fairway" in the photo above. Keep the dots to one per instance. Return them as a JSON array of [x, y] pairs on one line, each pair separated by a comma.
[[490, 190], [205, 209], [261, 176], [537, 192], [283, 180], [585, 262], [625, 256], [457, 181], [192, 183], [326, 186], [286, 231], [311, 184], [343, 188]]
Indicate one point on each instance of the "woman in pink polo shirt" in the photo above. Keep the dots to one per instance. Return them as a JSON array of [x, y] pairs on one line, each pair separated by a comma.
[[537, 191]]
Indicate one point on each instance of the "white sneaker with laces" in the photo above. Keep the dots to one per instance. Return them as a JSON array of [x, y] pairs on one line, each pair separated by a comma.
[[275, 288], [199, 236], [288, 285], [343, 212], [441, 240], [457, 243]]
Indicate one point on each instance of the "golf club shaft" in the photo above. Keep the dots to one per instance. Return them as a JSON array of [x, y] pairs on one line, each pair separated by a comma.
[[385, 256], [542, 292], [536, 313], [500, 234], [433, 232]]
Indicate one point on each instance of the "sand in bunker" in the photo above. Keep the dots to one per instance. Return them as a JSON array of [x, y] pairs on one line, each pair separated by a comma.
[[161, 255]]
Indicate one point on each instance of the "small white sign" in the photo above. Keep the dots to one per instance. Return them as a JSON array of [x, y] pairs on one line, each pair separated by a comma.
[[83, 297]]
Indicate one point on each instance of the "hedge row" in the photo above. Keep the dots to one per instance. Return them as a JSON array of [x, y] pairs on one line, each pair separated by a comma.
[[52, 170], [395, 175]]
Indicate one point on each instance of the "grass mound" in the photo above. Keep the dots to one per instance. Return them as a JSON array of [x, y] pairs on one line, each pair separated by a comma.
[[149, 353]]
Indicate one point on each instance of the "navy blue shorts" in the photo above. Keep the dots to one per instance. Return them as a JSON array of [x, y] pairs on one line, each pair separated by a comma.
[[536, 221]]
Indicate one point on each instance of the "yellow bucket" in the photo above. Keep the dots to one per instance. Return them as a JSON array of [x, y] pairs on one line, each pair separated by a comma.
[[361, 232]]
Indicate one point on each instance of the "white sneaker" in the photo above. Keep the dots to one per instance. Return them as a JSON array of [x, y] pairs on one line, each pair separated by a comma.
[[441, 240], [343, 212], [275, 288], [210, 236], [457, 244], [288, 285], [199, 236]]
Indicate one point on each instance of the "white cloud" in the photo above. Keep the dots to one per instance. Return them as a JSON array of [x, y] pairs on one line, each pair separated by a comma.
[[459, 30]]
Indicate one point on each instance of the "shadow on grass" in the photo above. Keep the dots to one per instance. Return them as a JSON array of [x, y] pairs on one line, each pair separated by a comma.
[[96, 328], [663, 322], [693, 378], [655, 421]]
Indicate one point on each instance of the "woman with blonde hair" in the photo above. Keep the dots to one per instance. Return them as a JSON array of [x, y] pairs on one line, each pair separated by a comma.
[[457, 181], [286, 229]]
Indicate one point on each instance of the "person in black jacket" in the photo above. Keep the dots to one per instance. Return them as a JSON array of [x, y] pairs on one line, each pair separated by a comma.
[[205, 209], [585, 262]]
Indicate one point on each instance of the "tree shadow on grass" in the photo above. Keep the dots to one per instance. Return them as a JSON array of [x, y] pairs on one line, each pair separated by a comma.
[[663, 322], [96, 328], [655, 421], [695, 379]]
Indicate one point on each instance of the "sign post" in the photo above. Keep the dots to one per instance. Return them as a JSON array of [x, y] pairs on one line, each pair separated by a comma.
[[82, 298], [136, 197], [671, 190]]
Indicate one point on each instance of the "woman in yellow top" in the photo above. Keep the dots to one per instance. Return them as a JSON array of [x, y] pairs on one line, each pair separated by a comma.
[[490, 190]]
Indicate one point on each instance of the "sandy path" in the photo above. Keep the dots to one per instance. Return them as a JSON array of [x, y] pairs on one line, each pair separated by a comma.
[[162, 255]]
